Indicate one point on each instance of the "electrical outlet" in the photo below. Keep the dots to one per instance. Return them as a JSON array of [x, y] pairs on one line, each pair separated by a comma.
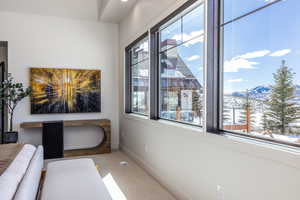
[[220, 193], [146, 148]]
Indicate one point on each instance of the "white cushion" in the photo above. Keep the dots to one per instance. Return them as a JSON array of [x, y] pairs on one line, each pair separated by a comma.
[[74, 179], [11, 178], [30, 183]]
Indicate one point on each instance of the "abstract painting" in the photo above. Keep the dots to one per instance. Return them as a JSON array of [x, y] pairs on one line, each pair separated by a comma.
[[56, 90]]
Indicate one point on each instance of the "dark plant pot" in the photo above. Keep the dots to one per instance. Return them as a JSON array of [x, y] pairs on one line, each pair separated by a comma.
[[10, 137]]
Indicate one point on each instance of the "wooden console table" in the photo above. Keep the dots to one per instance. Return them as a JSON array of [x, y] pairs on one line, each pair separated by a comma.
[[103, 147]]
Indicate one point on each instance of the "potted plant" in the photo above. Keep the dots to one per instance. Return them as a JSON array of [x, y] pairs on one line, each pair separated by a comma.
[[11, 94]]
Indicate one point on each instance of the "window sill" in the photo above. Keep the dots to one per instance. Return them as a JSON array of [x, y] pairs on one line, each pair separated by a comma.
[[181, 125], [263, 143], [147, 120], [283, 154], [135, 116]]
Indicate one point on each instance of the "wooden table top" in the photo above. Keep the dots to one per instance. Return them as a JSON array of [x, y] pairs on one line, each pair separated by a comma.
[[89, 122]]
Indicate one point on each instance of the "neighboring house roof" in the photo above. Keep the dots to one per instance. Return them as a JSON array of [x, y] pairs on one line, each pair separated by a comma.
[[175, 73], [174, 67]]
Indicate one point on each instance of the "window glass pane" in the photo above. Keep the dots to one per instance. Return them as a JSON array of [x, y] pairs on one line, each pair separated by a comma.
[[261, 73], [140, 87], [171, 35], [140, 51], [181, 83], [193, 23], [236, 8], [188, 26]]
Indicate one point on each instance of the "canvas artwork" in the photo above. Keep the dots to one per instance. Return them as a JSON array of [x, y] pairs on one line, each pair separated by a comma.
[[65, 90]]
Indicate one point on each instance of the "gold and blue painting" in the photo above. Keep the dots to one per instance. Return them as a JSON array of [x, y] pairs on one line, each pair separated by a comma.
[[57, 90]]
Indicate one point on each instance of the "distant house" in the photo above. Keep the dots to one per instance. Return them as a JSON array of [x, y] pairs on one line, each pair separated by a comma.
[[178, 84]]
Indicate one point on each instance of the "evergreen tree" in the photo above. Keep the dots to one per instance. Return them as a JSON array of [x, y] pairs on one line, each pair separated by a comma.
[[248, 109], [197, 104], [282, 106], [265, 123], [226, 117]]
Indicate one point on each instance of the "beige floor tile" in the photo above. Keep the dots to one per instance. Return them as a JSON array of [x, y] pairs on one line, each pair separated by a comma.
[[133, 182]]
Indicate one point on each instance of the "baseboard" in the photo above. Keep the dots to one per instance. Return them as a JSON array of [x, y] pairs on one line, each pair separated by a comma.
[[153, 173]]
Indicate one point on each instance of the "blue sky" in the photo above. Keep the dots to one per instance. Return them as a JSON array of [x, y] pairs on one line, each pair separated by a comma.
[[254, 46], [193, 31]]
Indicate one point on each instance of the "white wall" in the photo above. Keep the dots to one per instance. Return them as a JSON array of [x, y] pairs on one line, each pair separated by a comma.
[[76, 9], [191, 163], [37, 41]]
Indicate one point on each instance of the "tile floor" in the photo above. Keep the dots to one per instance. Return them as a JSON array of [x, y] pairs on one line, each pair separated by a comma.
[[129, 182]]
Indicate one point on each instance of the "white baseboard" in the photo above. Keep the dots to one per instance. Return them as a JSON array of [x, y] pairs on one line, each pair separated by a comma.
[[146, 166]]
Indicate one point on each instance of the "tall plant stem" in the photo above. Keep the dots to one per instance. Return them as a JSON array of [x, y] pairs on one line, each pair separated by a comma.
[[11, 121]]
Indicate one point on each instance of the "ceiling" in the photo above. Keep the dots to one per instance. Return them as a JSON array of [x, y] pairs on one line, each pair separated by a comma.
[[94, 10], [115, 10]]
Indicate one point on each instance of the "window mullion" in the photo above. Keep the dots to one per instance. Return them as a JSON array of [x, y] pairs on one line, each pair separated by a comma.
[[128, 82], [212, 65], [129, 65], [154, 75]]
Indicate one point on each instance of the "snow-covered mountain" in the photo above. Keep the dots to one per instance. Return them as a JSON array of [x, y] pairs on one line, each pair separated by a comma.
[[261, 92], [258, 92]]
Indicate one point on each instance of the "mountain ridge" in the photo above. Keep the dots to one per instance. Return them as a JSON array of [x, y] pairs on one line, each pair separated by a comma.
[[262, 92]]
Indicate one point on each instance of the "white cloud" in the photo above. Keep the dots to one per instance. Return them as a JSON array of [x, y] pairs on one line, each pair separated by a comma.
[[280, 53], [235, 64], [242, 61], [177, 37], [194, 41], [189, 37], [192, 35], [235, 80], [255, 54], [193, 58]]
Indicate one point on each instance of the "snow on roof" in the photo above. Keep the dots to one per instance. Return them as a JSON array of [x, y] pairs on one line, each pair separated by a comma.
[[171, 73]]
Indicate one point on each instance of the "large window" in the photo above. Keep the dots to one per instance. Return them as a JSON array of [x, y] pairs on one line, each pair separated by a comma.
[[181, 66], [138, 76], [261, 83], [250, 81]]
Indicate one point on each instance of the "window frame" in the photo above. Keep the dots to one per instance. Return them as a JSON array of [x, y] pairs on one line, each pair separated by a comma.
[[213, 70], [155, 59], [215, 10], [128, 74]]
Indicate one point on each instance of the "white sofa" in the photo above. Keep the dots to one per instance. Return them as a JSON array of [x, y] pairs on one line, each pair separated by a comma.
[[67, 179], [74, 179], [20, 181]]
